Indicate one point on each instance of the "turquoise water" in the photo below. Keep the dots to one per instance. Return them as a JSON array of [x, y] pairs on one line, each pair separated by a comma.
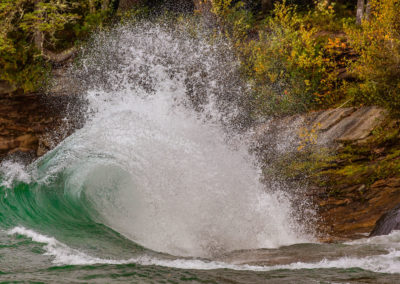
[[48, 237], [92, 253]]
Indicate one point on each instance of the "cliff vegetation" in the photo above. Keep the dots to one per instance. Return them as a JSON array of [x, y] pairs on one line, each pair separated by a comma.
[[299, 56]]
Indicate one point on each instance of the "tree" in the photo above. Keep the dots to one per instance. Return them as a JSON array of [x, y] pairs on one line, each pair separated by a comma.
[[44, 21], [377, 42], [37, 32], [363, 11]]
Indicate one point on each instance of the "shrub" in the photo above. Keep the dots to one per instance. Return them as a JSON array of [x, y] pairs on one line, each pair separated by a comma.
[[292, 68], [377, 42]]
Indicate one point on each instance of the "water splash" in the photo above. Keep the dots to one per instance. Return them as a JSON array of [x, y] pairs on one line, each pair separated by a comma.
[[162, 157]]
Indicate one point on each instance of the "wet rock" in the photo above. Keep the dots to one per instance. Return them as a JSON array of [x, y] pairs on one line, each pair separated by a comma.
[[24, 119], [389, 222], [328, 118], [355, 212], [45, 144], [33, 123], [26, 142], [360, 124], [62, 84], [7, 143], [334, 125]]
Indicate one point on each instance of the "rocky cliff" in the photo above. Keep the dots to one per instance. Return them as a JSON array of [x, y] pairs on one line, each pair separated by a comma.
[[348, 160], [33, 123]]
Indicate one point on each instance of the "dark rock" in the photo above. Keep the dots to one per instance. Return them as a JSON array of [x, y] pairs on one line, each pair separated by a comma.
[[29, 122], [389, 222]]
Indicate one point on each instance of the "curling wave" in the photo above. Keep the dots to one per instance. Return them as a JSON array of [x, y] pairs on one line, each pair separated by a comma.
[[156, 160]]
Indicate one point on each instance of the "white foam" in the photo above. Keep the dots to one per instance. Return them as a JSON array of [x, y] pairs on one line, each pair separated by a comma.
[[11, 172], [382, 263], [64, 255], [385, 263], [391, 241]]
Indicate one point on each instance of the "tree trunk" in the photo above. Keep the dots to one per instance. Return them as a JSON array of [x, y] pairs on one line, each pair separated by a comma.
[[368, 10], [363, 11], [59, 57], [360, 11], [38, 34]]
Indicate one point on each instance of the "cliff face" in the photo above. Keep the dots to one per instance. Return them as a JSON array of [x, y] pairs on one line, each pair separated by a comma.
[[360, 180], [24, 119], [353, 212], [348, 160], [31, 124]]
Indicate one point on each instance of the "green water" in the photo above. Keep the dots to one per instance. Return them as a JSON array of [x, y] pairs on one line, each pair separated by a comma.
[[24, 260], [49, 237]]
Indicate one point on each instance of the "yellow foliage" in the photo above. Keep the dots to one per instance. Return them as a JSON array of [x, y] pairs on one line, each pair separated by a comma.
[[308, 137], [289, 52], [378, 68]]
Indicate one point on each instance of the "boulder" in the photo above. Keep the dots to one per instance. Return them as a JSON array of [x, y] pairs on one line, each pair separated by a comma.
[[361, 123], [348, 124], [387, 223], [326, 119]]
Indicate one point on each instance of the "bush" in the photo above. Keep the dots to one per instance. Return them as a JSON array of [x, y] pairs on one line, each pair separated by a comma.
[[292, 68], [377, 42]]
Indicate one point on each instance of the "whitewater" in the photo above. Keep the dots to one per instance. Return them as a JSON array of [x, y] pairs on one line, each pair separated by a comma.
[[159, 183]]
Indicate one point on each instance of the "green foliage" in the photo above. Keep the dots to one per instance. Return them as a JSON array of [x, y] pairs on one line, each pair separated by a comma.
[[291, 66], [17, 56], [91, 21], [234, 19], [23, 67], [29, 26], [293, 57], [138, 13], [48, 17], [377, 42]]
